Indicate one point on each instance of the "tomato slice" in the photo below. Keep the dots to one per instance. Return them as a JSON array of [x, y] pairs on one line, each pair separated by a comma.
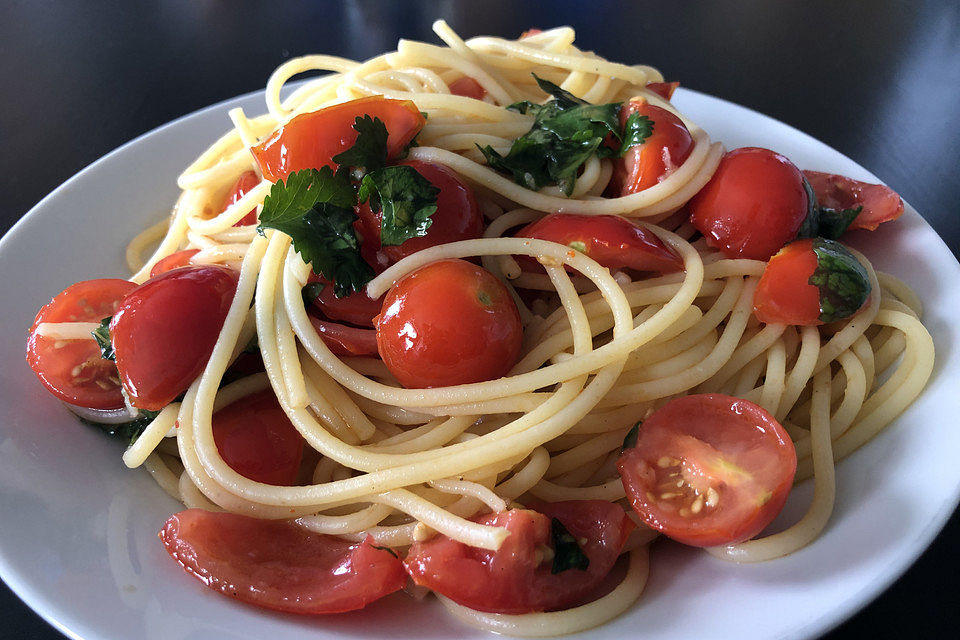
[[73, 370], [709, 470], [256, 438], [517, 578], [310, 140], [663, 89], [612, 241], [880, 203], [784, 294], [165, 329], [357, 308], [278, 565], [173, 261], [661, 153], [346, 341], [467, 87], [247, 181]]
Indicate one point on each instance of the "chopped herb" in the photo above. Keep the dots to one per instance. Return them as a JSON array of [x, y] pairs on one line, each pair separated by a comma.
[[567, 554], [631, 439], [388, 550], [311, 292], [405, 198], [843, 282], [102, 335]]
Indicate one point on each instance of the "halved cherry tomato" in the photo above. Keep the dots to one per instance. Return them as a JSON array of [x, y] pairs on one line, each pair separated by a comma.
[[663, 89], [612, 241], [467, 87], [310, 140], [277, 565], [447, 323], [784, 294], [73, 370], [661, 153], [346, 341], [457, 216], [357, 308], [880, 203], [709, 470], [247, 181], [517, 578], [173, 261], [753, 205], [165, 329], [257, 440]]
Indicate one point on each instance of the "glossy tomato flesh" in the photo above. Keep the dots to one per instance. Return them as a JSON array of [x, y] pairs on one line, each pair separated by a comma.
[[662, 153], [447, 323], [173, 261], [663, 89], [357, 308], [246, 182], [344, 340], [753, 205], [880, 203], [73, 370], [467, 87], [257, 440], [165, 329], [784, 294], [517, 578], [709, 470], [278, 565], [310, 140]]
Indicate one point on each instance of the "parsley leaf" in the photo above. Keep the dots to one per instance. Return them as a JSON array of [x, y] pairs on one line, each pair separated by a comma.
[[567, 554], [370, 150], [315, 208], [635, 131], [405, 198], [102, 335]]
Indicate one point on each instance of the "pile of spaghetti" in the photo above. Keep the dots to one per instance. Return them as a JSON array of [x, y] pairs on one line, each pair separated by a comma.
[[602, 349]]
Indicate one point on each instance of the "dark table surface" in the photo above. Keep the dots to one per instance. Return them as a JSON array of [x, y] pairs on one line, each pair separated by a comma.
[[879, 81]]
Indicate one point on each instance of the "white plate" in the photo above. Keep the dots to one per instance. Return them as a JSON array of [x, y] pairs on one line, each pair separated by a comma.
[[78, 530]]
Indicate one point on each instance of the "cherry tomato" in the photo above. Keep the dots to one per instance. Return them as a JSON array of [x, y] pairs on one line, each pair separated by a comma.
[[709, 470], [517, 578], [165, 329], [880, 203], [610, 240], [277, 565], [663, 89], [310, 140], [467, 87], [173, 261], [73, 370], [753, 205], [661, 153], [346, 341], [357, 308], [784, 294], [247, 181], [447, 323], [256, 438], [457, 216]]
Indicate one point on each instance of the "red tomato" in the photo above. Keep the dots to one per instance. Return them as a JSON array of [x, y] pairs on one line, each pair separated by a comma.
[[709, 470], [784, 294], [164, 331], [467, 87], [530, 32], [277, 565], [517, 578], [610, 240], [346, 341], [880, 203], [173, 261], [310, 140], [357, 308], [753, 205], [457, 216], [447, 323], [663, 89], [247, 181], [256, 438], [73, 370], [661, 154]]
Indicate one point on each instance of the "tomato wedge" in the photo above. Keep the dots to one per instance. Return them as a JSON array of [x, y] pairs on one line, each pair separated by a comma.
[[278, 565], [356, 308], [346, 341], [164, 331], [518, 578], [310, 140], [73, 370], [663, 89], [709, 470], [173, 261], [247, 181], [880, 203], [661, 153], [467, 87], [612, 241], [256, 438]]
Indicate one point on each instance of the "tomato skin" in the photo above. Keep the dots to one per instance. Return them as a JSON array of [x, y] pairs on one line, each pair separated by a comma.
[[165, 329], [55, 361], [447, 323], [663, 89], [511, 580], [753, 205], [173, 261], [880, 203], [715, 443], [357, 308], [310, 140], [346, 341], [784, 294], [278, 565], [457, 216], [246, 182], [662, 153], [257, 440], [467, 87], [612, 241]]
